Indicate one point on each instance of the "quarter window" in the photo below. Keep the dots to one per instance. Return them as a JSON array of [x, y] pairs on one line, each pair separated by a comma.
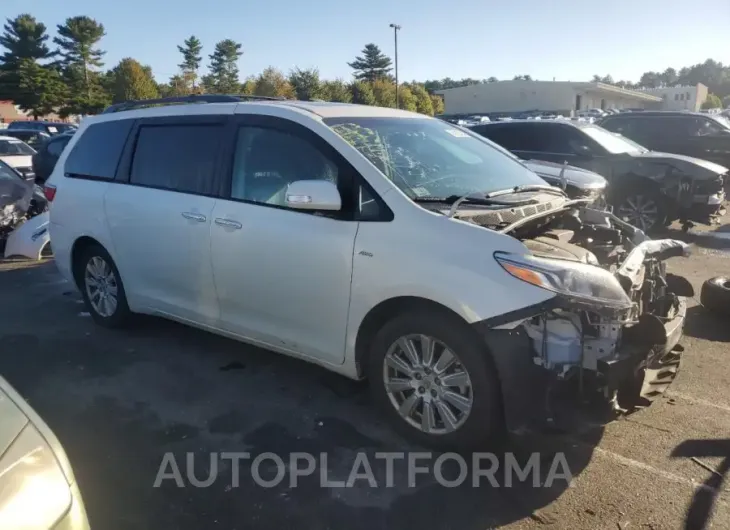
[[177, 157], [55, 148], [268, 160], [96, 154]]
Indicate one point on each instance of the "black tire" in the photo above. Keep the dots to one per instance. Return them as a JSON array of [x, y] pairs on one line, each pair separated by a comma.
[[122, 315], [715, 294], [626, 194], [484, 423]]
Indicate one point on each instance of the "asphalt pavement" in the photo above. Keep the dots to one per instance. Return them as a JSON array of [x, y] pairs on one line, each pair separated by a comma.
[[120, 401]]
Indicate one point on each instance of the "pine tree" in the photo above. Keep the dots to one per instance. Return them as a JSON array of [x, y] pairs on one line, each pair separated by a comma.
[[223, 76], [24, 40], [373, 64], [191, 49], [77, 40], [43, 89]]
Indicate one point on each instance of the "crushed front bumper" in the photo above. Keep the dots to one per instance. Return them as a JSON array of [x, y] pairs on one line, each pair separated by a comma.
[[538, 399]]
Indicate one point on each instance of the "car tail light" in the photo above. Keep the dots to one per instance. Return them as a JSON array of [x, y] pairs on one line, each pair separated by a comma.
[[50, 192]]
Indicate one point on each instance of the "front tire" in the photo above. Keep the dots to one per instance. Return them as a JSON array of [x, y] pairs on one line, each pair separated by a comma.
[[641, 206], [102, 289], [433, 379]]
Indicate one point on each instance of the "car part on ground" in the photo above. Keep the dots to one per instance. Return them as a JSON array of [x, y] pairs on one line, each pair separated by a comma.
[[37, 486], [715, 294]]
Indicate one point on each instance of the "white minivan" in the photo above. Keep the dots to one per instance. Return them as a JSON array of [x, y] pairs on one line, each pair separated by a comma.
[[378, 243]]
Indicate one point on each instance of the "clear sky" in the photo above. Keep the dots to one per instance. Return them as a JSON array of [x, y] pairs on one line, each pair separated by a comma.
[[562, 39]]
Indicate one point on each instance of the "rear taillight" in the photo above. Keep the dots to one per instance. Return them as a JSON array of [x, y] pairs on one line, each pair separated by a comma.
[[50, 192]]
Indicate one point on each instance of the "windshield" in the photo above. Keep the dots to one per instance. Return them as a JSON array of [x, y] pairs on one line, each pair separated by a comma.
[[427, 157], [613, 142], [14, 147]]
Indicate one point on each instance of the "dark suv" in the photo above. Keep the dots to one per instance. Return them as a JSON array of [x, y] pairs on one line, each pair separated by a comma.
[[48, 127], [646, 188], [695, 134]]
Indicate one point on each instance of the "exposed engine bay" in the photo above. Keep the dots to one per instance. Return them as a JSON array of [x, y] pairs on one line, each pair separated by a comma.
[[626, 354]]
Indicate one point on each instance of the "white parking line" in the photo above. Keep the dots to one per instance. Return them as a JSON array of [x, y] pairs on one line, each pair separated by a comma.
[[651, 469], [696, 401]]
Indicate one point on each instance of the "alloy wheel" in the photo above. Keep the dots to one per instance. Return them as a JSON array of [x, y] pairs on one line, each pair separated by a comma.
[[427, 384], [101, 286], [639, 210]]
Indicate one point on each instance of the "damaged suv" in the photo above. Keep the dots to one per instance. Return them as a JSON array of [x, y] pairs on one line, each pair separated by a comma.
[[375, 242]]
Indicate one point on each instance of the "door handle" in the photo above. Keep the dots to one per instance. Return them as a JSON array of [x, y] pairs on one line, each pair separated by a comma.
[[194, 216], [228, 223]]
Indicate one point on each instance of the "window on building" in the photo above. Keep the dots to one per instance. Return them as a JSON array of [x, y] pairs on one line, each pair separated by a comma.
[[676, 97]]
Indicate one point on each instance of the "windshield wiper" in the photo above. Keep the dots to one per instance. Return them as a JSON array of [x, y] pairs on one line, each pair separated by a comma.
[[473, 198], [525, 188]]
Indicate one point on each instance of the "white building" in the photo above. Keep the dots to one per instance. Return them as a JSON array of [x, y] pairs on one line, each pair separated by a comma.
[[563, 97], [680, 97]]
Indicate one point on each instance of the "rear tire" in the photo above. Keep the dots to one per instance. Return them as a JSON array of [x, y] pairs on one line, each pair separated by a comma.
[[715, 294], [101, 287], [452, 407]]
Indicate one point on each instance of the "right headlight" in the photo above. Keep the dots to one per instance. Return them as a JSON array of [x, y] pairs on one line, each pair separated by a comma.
[[579, 282]]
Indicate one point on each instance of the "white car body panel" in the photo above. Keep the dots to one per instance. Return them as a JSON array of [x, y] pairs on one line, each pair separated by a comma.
[[296, 283], [29, 239], [16, 161]]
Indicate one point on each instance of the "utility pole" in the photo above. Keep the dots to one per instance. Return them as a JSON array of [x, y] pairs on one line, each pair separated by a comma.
[[396, 27]]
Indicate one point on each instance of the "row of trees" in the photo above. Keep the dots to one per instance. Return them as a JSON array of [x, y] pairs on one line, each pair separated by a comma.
[[70, 78]]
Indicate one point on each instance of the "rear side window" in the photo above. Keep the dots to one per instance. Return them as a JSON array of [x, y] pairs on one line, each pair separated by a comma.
[[177, 157], [55, 147], [508, 136], [96, 154]]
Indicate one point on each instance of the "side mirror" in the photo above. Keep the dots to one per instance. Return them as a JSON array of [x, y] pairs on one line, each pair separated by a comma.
[[313, 195]]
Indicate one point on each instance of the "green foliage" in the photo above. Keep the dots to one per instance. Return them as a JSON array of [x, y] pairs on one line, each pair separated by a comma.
[[438, 104], [43, 91], [77, 40], [406, 99], [306, 83], [336, 90], [447, 82], [362, 93], [526, 77], [384, 92], [249, 86], [223, 76], [423, 99], [24, 40], [132, 81], [712, 102], [190, 50], [272, 83], [372, 65]]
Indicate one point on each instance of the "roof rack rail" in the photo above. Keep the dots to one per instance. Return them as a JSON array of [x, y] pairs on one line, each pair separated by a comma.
[[198, 98]]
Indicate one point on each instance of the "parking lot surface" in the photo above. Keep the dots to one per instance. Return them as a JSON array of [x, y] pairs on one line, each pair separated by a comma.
[[119, 401]]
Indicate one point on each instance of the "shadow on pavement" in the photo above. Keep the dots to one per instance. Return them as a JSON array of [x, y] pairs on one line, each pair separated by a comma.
[[702, 323], [700, 509]]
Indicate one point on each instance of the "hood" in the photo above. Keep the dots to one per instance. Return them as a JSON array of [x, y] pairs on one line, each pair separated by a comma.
[[695, 167], [578, 177], [16, 161]]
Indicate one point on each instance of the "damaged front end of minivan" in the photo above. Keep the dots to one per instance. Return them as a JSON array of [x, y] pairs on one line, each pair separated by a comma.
[[609, 336]]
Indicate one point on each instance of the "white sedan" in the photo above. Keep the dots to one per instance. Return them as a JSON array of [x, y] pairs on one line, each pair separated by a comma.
[[17, 154]]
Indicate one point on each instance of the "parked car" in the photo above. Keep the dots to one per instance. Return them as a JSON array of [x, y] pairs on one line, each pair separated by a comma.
[[38, 489], [577, 182], [20, 199], [17, 154], [646, 188], [48, 127], [33, 138], [705, 136], [376, 242], [45, 159]]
